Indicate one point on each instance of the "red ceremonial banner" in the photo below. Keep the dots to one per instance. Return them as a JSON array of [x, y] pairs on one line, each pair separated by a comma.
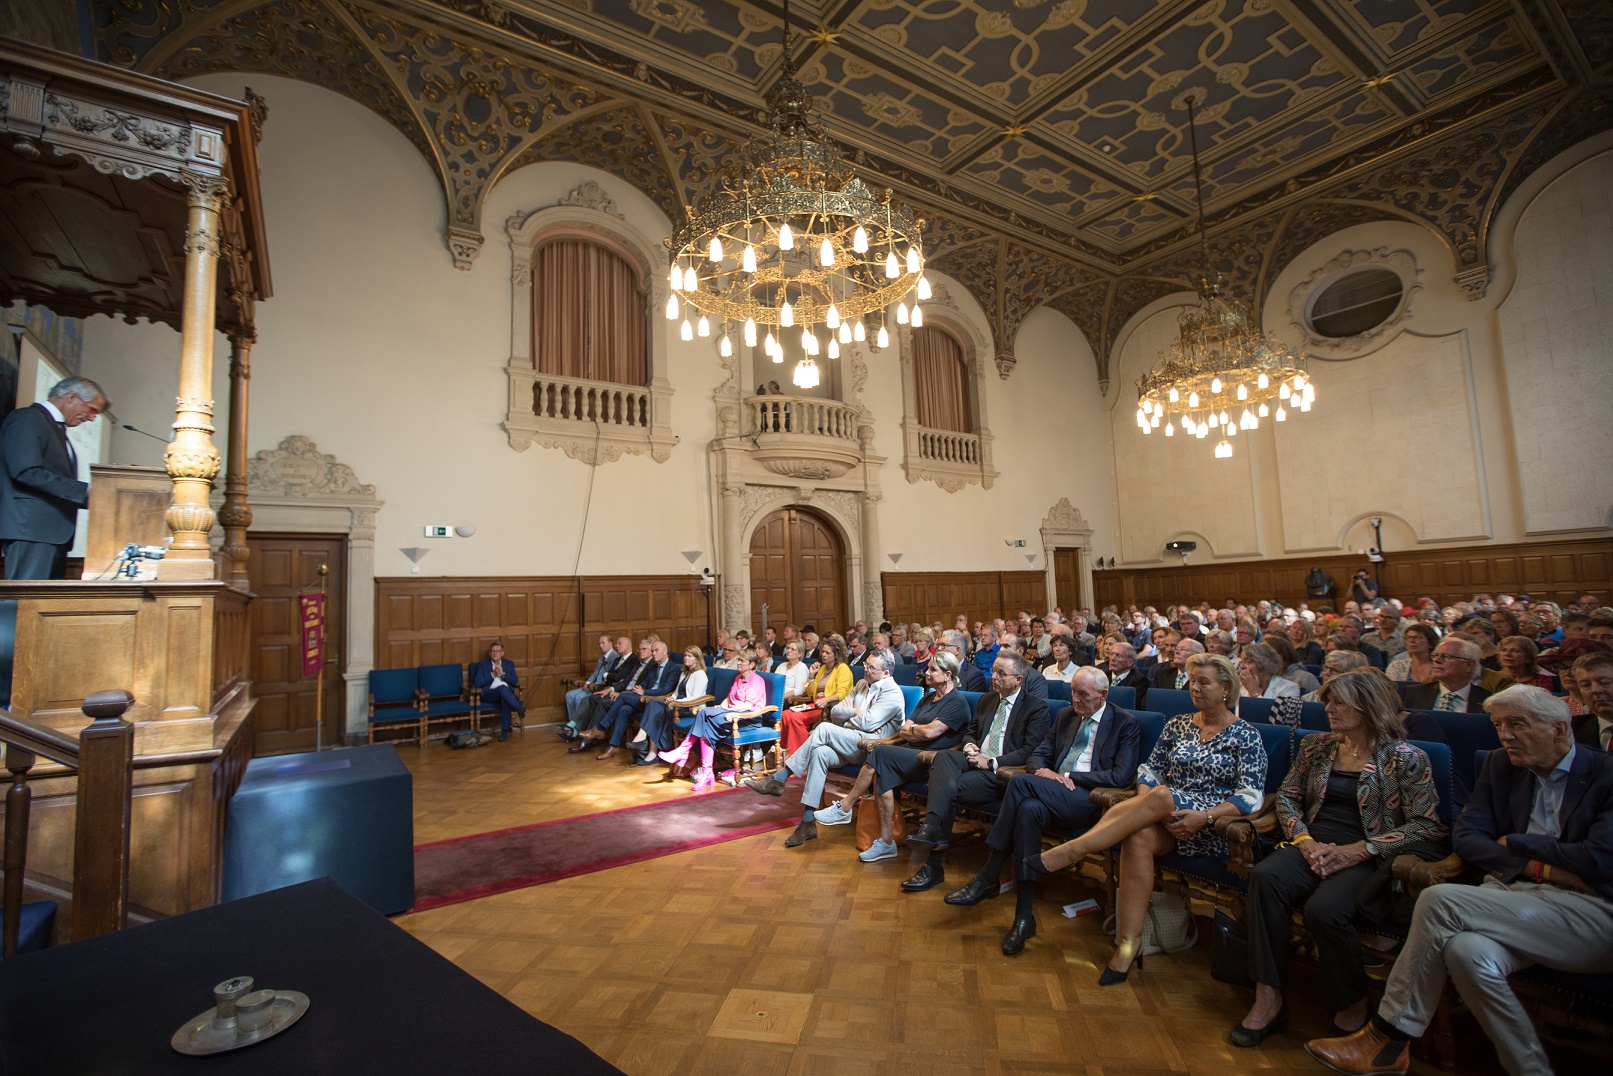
[[312, 610]]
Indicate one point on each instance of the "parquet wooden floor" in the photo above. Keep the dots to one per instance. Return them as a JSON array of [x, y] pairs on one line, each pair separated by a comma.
[[748, 957]]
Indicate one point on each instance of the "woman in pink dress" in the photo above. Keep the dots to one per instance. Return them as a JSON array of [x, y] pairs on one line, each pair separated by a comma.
[[746, 700]]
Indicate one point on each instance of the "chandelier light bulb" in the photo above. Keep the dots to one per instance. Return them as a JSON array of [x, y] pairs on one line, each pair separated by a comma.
[[924, 289], [1192, 399], [826, 254], [1243, 391], [891, 271], [786, 238], [1175, 396], [1282, 416], [901, 313], [786, 315], [1230, 429], [1147, 428], [1282, 391], [806, 374], [1304, 406], [834, 348], [1262, 381], [704, 328], [918, 316], [715, 253], [688, 330], [771, 343], [750, 332], [1142, 417], [1263, 411], [672, 308], [1154, 422], [726, 348], [676, 279], [1223, 451], [691, 281], [859, 240], [1299, 382], [1170, 429], [858, 333], [1215, 384], [831, 319], [912, 259], [1203, 432], [883, 341], [1215, 420], [1224, 418], [845, 332], [749, 259]]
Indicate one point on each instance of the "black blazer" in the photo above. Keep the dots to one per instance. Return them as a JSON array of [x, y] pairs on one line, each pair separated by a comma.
[[1035, 683], [1499, 807], [970, 678], [1115, 756], [622, 672], [1163, 677], [1027, 725], [40, 494], [1138, 682], [1588, 732], [1424, 696]]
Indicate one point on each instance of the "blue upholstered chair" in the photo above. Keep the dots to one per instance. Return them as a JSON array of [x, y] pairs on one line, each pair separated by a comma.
[[442, 689], [395, 701], [1170, 703], [1123, 697], [753, 743], [906, 675], [1058, 695], [36, 920]]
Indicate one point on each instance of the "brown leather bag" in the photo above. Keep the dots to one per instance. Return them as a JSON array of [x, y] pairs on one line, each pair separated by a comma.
[[868, 824]]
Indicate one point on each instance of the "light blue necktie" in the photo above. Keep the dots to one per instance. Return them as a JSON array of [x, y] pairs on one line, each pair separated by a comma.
[[1083, 736], [999, 726]]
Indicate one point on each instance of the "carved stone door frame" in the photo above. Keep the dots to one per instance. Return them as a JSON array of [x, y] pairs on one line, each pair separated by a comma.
[[1065, 528], [296, 489]]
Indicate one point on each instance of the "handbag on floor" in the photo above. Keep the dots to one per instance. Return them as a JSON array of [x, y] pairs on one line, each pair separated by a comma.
[[868, 824], [1170, 927], [1229, 952]]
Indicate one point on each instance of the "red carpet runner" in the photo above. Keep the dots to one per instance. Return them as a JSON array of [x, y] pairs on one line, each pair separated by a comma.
[[464, 868]]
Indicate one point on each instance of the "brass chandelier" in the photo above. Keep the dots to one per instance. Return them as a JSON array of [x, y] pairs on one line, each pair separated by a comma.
[[792, 241], [1222, 374]]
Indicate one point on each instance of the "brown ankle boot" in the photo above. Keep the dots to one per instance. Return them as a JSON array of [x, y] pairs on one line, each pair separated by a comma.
[[1368, 1052]]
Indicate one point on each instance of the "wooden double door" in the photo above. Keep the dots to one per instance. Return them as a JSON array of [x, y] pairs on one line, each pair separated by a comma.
[[283, 568], [798, 569]]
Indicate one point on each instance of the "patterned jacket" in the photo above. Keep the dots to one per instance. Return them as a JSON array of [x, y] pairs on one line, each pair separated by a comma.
[[1399, 804]]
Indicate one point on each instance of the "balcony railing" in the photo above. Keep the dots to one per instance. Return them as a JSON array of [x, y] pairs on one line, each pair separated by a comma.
[[802, 415], [584, 401], [947, 446]]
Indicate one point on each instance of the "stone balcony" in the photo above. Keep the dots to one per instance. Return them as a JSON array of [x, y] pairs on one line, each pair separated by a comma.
[[804, 436]]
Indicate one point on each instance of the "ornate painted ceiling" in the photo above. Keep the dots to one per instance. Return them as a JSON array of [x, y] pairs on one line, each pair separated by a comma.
[[1044, 140]]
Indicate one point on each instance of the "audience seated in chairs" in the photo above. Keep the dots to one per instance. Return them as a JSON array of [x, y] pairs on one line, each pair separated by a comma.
[[580, 701], [1309, 650], [658, 682], [830, 681], [923, 646], [495, 678], [1260, 673], [1289, 660], [1063, 665], [1350, 626], [1539, 824], [1206, 765], [970, 678], [856, 649], [1091, 744], [1352, 801], [1415, 663], [795, 672], [576, 696], [1120, 665], [1455, 685], [939, 722], [1520, 660], [658, 723], [623, 676], [870, 713], [1337, 663], [1009, 722], [1594, 675], [1033, 682], [1171, 672], [1386, 636], [745, 702]]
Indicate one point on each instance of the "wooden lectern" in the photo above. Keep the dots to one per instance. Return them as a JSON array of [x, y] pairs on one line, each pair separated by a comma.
[[127, 504]]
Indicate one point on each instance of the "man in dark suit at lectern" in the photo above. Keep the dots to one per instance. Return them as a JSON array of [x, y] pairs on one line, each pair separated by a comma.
[[495, 677], [40, 493]]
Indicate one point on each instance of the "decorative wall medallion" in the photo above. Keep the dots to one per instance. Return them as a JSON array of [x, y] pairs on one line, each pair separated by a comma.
[[298, 469], [591, 195], [1400, 262]]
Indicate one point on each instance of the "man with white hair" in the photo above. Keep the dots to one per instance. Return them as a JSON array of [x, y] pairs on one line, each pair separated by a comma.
[[1454, 687], [1540, 825], [872, 711]]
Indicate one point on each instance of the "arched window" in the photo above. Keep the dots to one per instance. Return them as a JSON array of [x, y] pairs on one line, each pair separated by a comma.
[[941, 381], [587, 313]]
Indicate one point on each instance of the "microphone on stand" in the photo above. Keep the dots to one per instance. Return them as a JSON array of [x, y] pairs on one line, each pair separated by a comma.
[[143, 433]]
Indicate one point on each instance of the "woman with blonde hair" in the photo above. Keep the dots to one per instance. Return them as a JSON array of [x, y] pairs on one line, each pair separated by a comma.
[[1206, 765], [1352, 801], [829, 681]]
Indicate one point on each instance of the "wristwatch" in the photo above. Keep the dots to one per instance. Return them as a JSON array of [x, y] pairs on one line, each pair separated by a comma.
[[993, 764]]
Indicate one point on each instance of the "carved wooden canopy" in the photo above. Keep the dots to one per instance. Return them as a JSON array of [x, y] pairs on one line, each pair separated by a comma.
[[1043, 139], [95, 166]]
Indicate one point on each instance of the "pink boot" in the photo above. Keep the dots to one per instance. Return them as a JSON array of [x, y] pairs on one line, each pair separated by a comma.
[[678, 755], [704, 778]]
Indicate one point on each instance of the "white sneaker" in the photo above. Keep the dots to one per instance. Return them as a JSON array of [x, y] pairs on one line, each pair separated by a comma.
[[880, 849], [832, 815]]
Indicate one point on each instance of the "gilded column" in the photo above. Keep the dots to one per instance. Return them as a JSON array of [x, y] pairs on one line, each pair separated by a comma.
[[192, 458], [236, 514]]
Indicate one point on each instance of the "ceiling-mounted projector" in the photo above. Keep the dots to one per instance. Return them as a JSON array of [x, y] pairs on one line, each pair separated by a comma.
[[1182, 548]]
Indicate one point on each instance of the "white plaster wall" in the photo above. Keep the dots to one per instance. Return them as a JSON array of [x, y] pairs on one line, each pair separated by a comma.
[[1557, 334]]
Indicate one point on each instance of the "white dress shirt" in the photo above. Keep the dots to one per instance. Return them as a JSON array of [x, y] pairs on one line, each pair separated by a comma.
[[795, 677], [998, 729]]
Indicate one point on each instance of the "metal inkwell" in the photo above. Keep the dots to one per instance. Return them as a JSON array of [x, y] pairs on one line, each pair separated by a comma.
[[241, 1017]]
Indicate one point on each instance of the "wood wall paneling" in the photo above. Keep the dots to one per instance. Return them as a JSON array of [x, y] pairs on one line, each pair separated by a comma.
[[1558, 570], [929, 596], [546, 623]]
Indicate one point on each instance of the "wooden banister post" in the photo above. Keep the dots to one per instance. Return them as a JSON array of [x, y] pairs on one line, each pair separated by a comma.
[[18, 799], [101, 840]]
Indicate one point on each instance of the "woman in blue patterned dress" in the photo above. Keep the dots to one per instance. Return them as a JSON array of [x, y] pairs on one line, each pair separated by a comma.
[[1206, 765]]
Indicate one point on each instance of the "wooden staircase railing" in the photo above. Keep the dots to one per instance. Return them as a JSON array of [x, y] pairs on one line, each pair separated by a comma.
[[103, 758]]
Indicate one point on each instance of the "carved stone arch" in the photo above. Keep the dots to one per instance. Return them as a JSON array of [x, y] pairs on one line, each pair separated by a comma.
[[847, 511], [950, 461], [1503, 229], [1064, 527], [295, 488], [586, 211], [1360, 517]]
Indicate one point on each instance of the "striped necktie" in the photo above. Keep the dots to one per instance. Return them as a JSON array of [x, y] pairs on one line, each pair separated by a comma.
[[1448, 701]]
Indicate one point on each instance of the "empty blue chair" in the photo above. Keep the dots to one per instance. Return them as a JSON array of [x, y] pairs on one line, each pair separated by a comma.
[[1058, 694], [395, 700], [1313, 716], [856, 674], [35, 921], [906, 675], [442, 688], [1251, 709], [911, 694], [1123, 697], [1170, 703], [972, 698]]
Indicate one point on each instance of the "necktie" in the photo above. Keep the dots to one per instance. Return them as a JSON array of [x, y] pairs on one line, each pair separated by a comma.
[[1447, 701], [1083, 736], [994, 738], [72, 457], [1607, 738], [638, 674], [1181, 680]]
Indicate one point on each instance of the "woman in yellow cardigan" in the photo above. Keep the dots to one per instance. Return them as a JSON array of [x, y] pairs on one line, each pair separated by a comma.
[[830, 682]]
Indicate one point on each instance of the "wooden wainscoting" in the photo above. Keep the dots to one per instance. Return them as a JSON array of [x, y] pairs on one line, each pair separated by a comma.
[[546, 623], [1557, 570], [926, 597]]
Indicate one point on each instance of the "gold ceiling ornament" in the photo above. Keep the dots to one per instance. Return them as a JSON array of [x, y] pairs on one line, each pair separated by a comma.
[[1222, 374], [793, 241]]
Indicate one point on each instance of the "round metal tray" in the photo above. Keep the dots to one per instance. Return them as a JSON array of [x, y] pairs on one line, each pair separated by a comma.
[[199, 1037]]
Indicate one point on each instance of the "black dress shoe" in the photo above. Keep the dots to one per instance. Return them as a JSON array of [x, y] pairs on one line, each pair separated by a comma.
[[585, 743], [643, 760], [929, 876], [1035, 868], [503, 734], [1014, 940], [1248, 1036], [976, 891], [806, 831], [930, 835]]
